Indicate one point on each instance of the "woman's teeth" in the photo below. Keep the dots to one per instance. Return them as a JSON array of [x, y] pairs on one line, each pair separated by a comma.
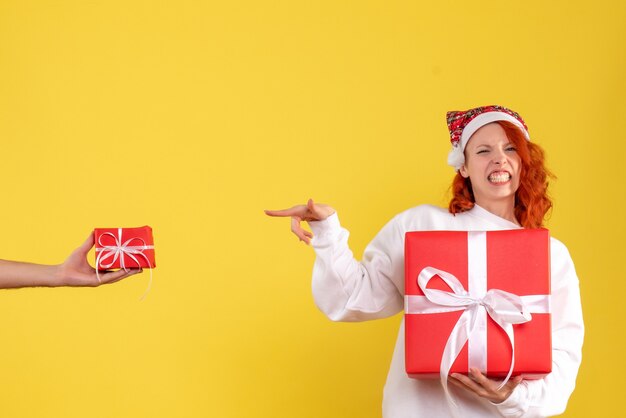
[[499, 177]]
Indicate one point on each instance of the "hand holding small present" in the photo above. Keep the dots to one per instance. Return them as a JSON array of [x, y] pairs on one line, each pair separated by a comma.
[[74, 271]]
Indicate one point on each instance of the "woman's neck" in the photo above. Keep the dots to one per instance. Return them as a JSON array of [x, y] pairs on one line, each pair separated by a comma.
[[505, 209]]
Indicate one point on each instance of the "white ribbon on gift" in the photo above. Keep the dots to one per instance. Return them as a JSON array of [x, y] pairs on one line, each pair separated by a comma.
[[505, 308], [119, 251]]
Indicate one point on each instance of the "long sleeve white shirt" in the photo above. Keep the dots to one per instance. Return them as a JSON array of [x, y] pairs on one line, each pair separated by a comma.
[[349, 290]]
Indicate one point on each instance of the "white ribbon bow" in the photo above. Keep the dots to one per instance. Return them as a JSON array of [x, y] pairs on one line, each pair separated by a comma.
[[503, 307], [119, 251]]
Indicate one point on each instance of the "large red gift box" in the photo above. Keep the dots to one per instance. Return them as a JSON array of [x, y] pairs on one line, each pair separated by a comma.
[[126, 248], [514, 261]]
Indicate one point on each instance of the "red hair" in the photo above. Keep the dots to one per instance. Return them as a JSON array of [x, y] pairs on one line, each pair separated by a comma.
[[531, 198]]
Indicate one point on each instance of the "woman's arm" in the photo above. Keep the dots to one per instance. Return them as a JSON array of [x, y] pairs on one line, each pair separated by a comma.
[[346, 289], [74, 271]]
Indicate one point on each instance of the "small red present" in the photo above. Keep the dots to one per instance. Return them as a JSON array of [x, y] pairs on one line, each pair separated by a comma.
[[124, 248], [478, 299]]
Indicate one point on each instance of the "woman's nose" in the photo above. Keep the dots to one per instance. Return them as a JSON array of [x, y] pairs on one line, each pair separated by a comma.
[[499, 157]]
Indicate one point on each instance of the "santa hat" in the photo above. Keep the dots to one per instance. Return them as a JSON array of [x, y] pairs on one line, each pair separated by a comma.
[[463, 124]]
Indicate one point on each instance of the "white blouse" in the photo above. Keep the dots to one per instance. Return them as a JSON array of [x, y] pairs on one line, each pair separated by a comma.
[[348, 290]]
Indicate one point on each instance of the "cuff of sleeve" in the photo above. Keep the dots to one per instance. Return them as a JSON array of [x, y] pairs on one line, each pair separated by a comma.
[[327, 227], [513, 406]]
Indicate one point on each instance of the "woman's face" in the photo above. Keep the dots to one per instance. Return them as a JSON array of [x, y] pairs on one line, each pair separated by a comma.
[[492, 165]]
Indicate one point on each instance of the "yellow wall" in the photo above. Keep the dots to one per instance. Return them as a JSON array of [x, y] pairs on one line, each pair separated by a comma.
[[193, 116]]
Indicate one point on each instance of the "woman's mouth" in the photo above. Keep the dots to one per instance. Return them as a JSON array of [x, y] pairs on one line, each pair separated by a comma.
[[499, 177]]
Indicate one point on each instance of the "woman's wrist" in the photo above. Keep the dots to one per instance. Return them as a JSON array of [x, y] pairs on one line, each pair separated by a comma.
[[58, 276]]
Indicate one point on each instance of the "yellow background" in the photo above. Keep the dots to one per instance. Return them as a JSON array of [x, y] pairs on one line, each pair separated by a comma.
[[194, 116]]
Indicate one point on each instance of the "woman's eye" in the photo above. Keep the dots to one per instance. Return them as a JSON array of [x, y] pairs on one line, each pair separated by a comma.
[[482, 151], [511, 149]]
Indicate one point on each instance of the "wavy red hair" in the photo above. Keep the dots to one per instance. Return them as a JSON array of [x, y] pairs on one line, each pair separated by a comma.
[[532, 202]]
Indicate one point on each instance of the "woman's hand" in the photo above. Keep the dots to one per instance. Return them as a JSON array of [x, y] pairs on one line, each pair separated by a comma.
[[484, 387], [76, 271], [309, 212]]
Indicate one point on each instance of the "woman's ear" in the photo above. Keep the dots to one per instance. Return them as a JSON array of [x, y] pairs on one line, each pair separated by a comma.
[[463, 171]]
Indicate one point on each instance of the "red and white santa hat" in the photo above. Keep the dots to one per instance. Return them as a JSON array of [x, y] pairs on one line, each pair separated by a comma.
[[463, 124]]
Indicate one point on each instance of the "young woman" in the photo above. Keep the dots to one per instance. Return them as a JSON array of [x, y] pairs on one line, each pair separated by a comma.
[[501, 183], [74, 271]]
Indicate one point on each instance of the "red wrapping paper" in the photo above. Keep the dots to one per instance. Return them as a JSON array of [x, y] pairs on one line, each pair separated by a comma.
[[517, 262], [134, 248]]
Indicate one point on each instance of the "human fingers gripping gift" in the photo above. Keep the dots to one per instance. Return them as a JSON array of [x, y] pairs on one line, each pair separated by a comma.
[[478, 299], [124, 248]]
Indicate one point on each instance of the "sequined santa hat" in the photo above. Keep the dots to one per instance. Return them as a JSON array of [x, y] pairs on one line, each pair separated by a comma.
[[463, 124]]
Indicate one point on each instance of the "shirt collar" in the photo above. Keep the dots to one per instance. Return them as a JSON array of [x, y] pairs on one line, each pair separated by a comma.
[[484, 214]]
